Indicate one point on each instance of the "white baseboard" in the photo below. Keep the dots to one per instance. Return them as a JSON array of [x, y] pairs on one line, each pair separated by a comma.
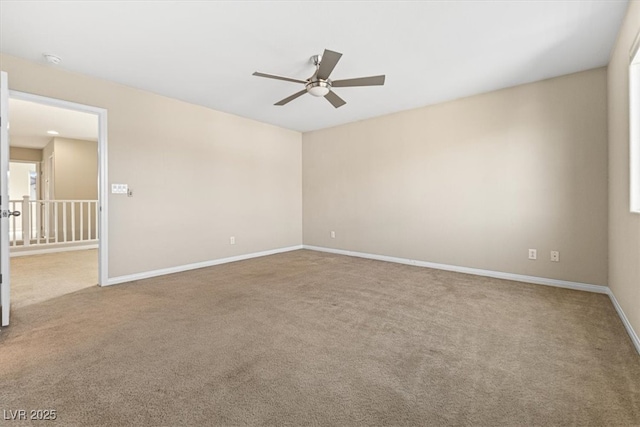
[[187, 267], [51, 250], [627, 325], [467, 270], [499, 275]]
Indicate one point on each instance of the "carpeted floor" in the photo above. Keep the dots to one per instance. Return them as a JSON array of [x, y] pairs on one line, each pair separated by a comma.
[[38, 278], [308, 338]]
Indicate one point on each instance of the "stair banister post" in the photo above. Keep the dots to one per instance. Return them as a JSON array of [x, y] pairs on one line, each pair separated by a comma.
[[26, 221]]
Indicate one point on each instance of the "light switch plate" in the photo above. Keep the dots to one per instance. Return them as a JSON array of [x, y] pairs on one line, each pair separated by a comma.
[[119, 189]]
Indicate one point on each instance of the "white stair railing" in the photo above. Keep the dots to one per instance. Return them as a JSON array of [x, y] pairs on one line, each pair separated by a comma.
[[49, 222]]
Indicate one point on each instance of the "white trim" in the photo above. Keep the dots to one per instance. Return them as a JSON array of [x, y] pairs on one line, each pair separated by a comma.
[[103, 199], [187, 267], [468, 270], [53, 250], [5, 266], [635, 46], [103, 218], [634, 134], [627, 325]]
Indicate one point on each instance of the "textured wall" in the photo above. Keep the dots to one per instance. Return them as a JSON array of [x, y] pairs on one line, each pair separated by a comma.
[[199, 176], [624, 226], [25, 154], [76, 169], [474, 182]]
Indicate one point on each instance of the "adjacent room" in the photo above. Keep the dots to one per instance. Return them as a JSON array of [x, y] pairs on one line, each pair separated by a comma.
[[450, 237], [53, 171]]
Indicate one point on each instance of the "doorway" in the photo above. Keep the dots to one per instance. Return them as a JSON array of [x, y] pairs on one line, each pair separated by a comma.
[[59, 243]]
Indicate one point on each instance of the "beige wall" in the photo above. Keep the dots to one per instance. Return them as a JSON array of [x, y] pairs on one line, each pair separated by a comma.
[[25, 154], [74, 177], [199, 176], [474, 182], [624, 227], [76, 169]]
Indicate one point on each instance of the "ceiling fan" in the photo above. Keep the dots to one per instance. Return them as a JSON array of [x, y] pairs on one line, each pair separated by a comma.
[[319, 83]]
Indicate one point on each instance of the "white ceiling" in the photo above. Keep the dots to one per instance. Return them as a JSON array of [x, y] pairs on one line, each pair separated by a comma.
[[205, 52], [29, 123]]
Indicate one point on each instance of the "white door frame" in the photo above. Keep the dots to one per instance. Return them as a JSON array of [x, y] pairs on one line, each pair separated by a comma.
[[103, 223], [5, 265]]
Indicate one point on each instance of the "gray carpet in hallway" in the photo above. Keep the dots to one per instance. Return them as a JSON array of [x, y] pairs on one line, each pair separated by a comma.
[[308, 338]]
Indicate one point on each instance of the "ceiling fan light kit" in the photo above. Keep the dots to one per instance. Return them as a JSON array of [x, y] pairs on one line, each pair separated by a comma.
[[319, 84], [319, 88]]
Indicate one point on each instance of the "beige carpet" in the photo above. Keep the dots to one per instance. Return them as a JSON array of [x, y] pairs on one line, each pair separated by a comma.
[[38, 278], [306, 338]]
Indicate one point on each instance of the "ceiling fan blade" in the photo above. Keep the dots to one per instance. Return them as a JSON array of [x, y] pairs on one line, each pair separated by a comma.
[[273, 76], [360, 81], [328, 63], [335, 100], [291, 98]]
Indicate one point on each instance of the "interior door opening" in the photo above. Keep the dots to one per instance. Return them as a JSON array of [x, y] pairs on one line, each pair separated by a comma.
[[56, 180]]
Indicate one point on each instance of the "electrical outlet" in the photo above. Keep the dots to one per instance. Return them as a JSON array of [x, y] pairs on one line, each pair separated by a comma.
[[533, 254], [555, 256], [232, 240], [333, 234]]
